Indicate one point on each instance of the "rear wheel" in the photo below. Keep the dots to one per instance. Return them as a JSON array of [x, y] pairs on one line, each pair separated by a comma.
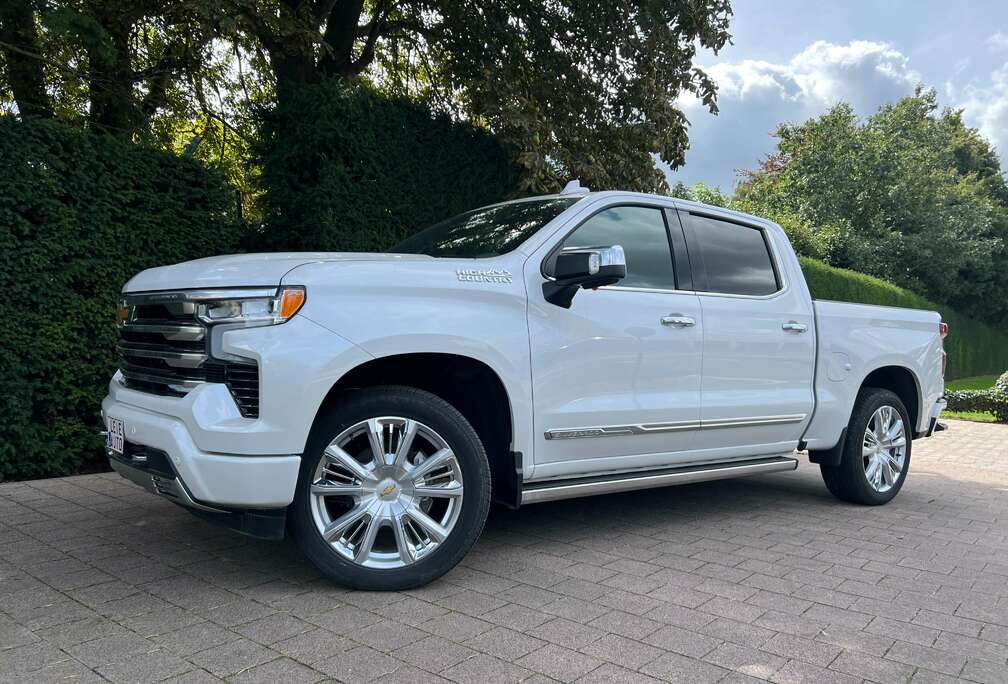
[[393, 491], [876, 455]]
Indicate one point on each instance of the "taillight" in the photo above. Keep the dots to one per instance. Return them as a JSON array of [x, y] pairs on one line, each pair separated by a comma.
[[943, 332]]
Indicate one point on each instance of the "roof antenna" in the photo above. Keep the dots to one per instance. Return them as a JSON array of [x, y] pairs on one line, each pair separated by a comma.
[[574, 188]]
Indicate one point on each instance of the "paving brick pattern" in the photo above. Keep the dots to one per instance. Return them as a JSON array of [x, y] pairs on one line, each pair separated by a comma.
[[756, 579]]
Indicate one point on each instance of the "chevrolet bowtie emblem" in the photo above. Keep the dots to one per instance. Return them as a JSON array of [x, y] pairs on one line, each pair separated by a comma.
[[388, 490]]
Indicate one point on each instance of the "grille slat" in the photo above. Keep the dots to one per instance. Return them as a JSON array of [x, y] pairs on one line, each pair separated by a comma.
[[164, 349]]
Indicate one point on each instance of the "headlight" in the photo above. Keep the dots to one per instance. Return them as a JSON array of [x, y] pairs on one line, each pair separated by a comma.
[[251, 311]]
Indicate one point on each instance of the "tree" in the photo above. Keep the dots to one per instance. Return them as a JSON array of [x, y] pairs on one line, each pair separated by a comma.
[[116, 64], [572, 89], [575, 89], [910, 195], [19, 46]]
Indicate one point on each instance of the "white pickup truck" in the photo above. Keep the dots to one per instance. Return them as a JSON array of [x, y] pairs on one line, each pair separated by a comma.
[[560, 346]]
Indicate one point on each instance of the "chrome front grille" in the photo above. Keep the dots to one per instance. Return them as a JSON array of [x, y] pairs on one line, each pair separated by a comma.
[[164, 349]]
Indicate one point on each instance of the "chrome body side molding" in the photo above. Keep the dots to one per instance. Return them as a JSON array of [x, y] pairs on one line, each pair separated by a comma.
[[611, 484], [619, 430], [650, 428], [752, 422]]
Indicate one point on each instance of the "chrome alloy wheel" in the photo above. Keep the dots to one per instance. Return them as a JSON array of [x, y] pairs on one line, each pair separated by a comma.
[[883, 450], [387, 492]]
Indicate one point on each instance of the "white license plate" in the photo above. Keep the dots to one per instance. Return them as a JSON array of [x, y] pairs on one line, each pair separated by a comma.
[[115, 436]]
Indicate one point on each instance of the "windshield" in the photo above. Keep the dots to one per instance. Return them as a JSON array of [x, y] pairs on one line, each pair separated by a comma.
[[486, 232]]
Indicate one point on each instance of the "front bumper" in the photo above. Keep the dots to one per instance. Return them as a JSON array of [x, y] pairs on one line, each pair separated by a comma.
[[222, 458], [151, 469], [213, 479]]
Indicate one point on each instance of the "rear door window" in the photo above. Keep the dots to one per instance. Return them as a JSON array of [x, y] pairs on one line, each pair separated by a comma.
[[736, 257]]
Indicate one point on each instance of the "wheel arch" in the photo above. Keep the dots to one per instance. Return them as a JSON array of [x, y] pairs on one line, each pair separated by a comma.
[[470, 385], [899, 380], [902, 382]]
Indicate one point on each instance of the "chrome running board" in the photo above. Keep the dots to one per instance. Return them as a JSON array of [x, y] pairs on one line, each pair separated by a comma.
[[553, 490]]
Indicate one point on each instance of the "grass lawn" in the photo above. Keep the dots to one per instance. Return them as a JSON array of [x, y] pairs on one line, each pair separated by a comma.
[[974, 383]]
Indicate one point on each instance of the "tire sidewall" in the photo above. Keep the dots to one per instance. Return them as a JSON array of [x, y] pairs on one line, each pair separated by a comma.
[[869, 402], [441, 417]]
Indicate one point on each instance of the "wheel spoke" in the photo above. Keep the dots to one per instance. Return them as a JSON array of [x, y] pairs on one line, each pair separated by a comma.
[[335, 530], [342, 458], [452, 489], [895, 465], [898, 443], [878, 424], [887, 472], [433, 529], [870, 438], [406, 435], [440, 458], [336, 489], [376, 437], [872, 470], [363, 548], [402, 540]]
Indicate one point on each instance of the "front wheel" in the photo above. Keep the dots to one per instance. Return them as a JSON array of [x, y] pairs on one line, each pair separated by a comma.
[[876, 454], [393, 491]]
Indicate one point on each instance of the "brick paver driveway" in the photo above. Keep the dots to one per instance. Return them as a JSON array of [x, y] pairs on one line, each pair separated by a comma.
[[767, 578]]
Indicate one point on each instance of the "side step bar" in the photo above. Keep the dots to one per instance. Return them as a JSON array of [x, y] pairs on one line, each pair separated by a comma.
[[609, 484]]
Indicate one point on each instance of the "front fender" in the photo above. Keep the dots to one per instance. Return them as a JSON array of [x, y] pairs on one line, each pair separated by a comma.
[[426, 306]]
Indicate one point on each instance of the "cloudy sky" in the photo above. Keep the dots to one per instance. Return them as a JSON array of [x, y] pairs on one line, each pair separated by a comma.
[[791, 60]]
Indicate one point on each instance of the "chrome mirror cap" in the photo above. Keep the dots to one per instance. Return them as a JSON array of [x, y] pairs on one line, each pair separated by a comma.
[[584, 267]]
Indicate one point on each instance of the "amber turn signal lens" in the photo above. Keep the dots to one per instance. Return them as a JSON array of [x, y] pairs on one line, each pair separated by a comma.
[[291, 301]]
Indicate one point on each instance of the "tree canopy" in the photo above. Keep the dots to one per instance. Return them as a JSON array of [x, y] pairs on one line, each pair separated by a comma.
[[571, 88], [909, 194]]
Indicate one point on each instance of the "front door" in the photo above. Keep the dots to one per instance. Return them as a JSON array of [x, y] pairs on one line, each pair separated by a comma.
[[616, 377]]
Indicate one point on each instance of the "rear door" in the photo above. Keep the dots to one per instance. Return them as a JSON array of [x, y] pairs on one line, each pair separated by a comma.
[[758, 337]]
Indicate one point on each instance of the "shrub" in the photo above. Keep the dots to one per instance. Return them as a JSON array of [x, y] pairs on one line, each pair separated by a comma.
[[973, 348], [80, 214], [993, 400], [352, 170]]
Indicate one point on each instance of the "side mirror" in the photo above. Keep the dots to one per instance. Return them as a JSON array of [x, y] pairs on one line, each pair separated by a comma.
[[584, 267]]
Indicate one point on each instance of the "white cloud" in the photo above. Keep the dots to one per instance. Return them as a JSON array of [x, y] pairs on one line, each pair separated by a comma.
[[754, 96], [998, 41], [986, 107]]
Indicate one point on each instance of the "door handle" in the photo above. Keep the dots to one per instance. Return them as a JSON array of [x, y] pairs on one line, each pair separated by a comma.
[[677, 320], [794, 326]]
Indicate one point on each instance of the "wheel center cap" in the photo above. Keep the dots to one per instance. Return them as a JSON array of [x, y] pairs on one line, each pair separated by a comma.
[[388, 490]]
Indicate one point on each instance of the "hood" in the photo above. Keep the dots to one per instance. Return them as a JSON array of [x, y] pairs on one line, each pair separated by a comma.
[[243, 270]]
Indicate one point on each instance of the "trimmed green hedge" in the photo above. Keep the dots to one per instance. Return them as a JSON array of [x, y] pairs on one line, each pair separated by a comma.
[[974, 348], [79, 215], [348, 169], [993, 400]]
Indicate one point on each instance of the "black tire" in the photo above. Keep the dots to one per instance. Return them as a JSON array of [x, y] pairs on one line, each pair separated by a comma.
[[848, 481], [442, 417]]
